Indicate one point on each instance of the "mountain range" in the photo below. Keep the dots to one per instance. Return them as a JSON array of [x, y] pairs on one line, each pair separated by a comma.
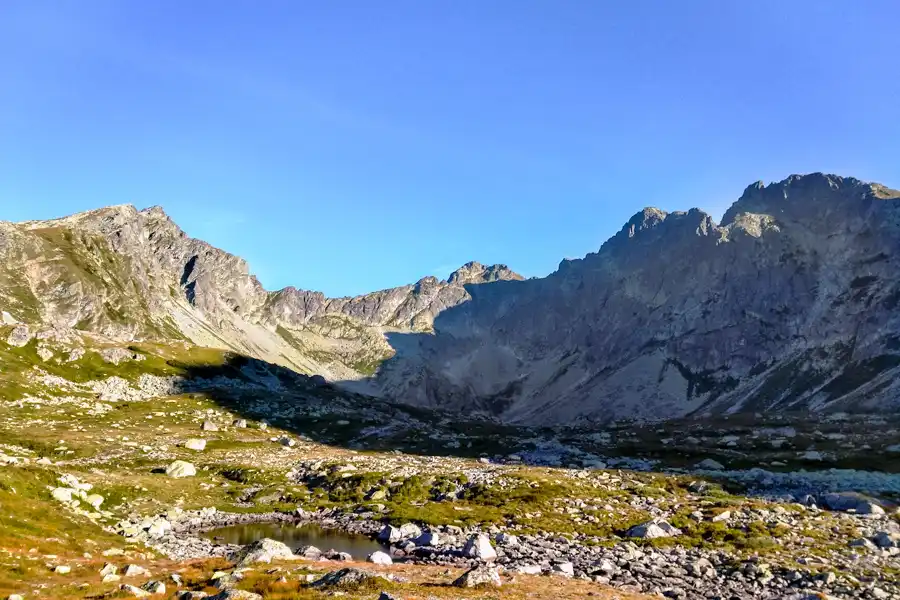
[[789, 304]]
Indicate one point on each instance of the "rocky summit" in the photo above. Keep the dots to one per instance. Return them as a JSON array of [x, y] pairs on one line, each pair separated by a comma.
[[697, 411]]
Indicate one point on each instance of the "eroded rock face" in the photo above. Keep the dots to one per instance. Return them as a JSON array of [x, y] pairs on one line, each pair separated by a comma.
[[789, 303]]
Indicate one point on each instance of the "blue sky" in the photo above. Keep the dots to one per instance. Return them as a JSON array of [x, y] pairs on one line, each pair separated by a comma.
[[354, 145]]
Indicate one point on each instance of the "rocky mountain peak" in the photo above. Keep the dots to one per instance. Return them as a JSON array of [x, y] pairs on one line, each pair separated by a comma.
[[474, 272], [799, 197]]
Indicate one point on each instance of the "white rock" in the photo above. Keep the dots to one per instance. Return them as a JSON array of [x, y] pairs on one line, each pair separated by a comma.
[[135, 571], [197, 444], [181, 468], [379, 558], [479, 546], [62, 494], [62, 569]]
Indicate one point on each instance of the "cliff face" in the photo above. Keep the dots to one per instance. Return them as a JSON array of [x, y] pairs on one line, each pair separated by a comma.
[[791, 303]]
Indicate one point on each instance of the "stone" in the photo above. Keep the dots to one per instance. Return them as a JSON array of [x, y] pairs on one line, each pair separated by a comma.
[[409, 530], [566, 569], [158, 528], [709, 464], [209, 426], [19, 336], [506, 539], [197, 444], [349, 578], [110, 578], [63, 495], [264, 551], [15, 597], [62, 570], [429, 538], [187, 595], [239, 423], [135, 571], [309, 552], [722, 516], [851, 502], [653, 529], [863, 544], [529, 569], [379, 558], [94, 500], [479, 546], [109, 569], [480, 576], [134, 590], [233, 594], [181, 468], [154, 587], [389, 534]]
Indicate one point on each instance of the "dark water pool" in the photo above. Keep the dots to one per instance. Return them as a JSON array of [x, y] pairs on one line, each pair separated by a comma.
[[357, 546]]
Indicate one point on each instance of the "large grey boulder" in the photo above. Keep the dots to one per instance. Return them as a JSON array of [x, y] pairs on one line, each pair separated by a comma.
[[480, 576], [348, 579], [851, 502], [263, 551]]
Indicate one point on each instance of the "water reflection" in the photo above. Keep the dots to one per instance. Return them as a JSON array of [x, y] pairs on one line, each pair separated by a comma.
[[358, 546]]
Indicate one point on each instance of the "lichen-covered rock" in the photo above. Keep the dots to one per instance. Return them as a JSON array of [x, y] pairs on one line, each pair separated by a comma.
[[348, 579], [264, 551], [181, 468], [482, 575]]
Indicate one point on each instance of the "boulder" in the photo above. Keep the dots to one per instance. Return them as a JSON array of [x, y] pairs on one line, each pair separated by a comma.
[[154, 587], [709, 464], [197, 444], [379, 558], [428, 538], [181, 468], [480, 576], [233, 594], [479, 546], [653, 529], [851, 502], [134, 590], [566, 569], [263, 551], [349, 579], [389, 534], [19, 336]]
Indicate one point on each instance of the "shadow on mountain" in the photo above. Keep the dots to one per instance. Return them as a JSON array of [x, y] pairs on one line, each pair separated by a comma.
[[326, 413]]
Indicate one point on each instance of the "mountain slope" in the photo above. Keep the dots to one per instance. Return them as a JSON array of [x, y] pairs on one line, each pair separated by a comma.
[[131, 274], [789, 304]]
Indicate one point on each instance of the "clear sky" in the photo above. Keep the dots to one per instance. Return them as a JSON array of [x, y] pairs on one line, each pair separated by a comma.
[[355, 145]]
